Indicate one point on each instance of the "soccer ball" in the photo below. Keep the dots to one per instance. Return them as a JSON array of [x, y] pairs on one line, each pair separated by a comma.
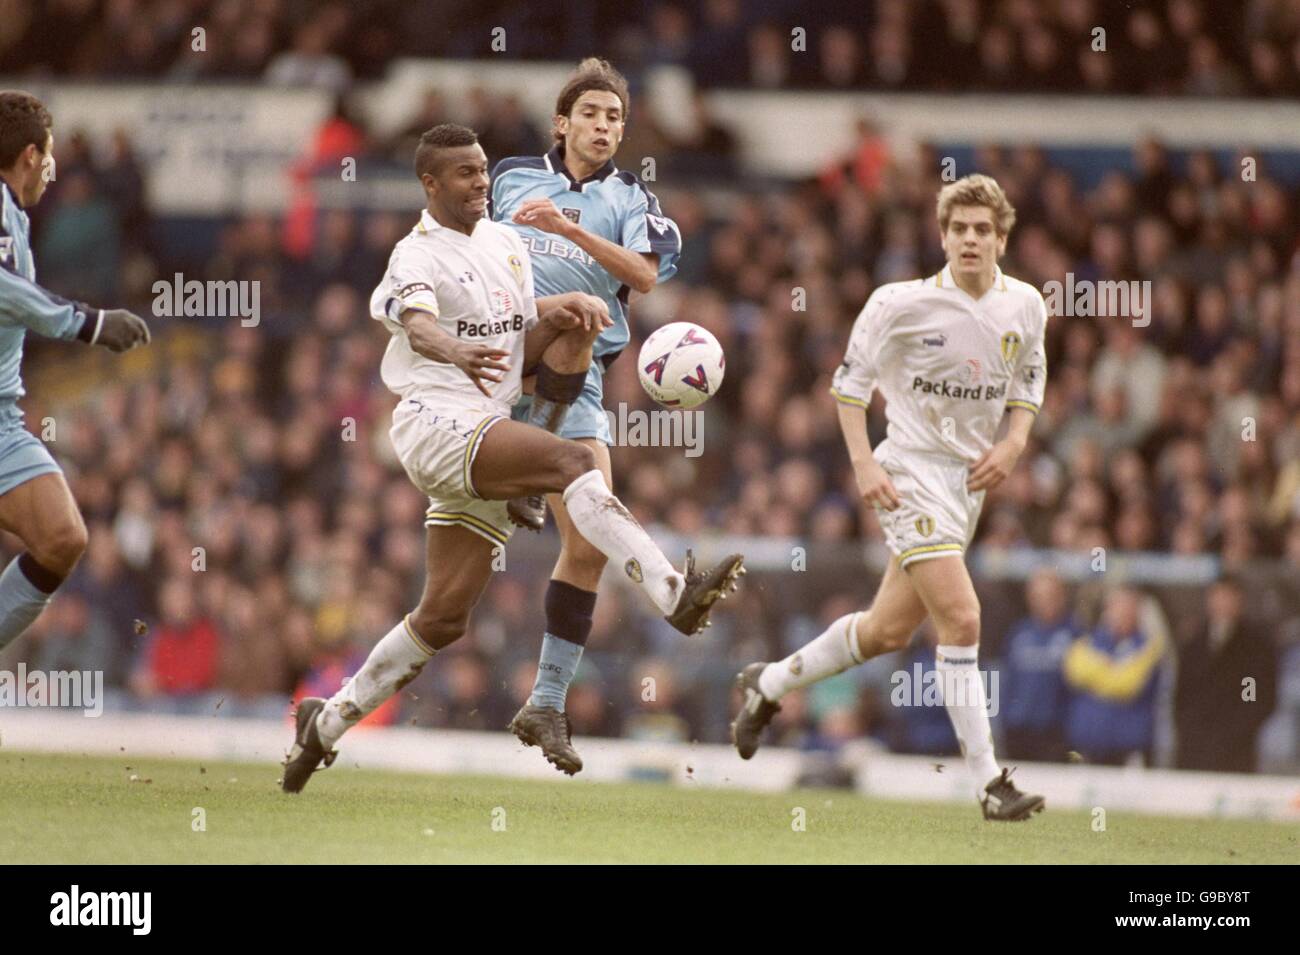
[[681, 365]]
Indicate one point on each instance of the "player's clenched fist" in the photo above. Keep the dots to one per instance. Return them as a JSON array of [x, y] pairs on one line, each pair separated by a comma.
[[874, 485], [122, 330]]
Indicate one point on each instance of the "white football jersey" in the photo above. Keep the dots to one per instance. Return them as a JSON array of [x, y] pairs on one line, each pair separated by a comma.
[[949, 366], [479, 287]]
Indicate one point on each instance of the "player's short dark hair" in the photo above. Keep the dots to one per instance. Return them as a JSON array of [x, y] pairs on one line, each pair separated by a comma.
[[433, 141], [592, 73], [24, 121]]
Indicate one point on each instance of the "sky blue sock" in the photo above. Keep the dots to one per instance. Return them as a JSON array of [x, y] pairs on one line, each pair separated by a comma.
[[555, 670], [21, 602]]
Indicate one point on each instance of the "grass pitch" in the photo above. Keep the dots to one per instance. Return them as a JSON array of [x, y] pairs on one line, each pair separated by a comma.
[[66, 809]]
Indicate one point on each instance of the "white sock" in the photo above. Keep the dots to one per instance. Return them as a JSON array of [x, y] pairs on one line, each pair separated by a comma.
[[965, 701], [394, 662], [606, 523], [834, 651]]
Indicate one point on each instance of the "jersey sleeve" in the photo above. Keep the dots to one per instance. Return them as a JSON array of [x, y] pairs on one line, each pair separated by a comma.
[[1030, 379], [410, 283], [23, 302], [856, 378], [647, 229]]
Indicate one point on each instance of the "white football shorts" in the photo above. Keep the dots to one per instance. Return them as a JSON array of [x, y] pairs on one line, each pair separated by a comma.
[[937, 515], [437, 444]]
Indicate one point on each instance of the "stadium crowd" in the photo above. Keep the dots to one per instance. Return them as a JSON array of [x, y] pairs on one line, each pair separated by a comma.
[[1166, 47]]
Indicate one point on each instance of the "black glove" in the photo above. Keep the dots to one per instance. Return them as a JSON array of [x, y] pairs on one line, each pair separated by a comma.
[[122, 330]]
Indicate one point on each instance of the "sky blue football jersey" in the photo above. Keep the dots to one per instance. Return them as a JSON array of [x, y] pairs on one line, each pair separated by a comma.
[[610, 203], [24, 304]]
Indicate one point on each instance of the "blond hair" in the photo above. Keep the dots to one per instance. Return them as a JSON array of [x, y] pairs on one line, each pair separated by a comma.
[[976, 190]]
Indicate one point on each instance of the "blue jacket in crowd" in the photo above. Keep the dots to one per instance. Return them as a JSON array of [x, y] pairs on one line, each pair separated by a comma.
[[1112, 709]]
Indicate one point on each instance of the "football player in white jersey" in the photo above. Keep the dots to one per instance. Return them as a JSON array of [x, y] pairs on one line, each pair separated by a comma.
[[951, 354], [458, 300]]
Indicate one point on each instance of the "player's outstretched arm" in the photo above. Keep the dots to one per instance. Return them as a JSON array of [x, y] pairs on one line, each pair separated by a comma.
[[23, 302], [479, 362], [636, 270], [873, 483]]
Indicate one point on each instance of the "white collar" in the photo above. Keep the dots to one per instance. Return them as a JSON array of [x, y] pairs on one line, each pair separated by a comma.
[[945, 280], [428, 224]]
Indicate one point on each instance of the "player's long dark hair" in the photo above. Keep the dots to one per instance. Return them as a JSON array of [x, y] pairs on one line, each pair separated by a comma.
[[592, 73]]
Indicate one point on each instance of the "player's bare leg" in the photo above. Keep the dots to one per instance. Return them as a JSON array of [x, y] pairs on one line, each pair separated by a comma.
[[945, 586], [561, 375], [570, 603], [888, 625], [515, 459], [44, 516], [458, 566]]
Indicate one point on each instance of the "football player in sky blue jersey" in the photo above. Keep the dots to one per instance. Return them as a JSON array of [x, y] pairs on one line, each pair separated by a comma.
[[35, 502], [588, 227]]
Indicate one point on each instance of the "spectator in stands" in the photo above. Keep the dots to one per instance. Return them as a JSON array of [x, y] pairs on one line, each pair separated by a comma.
[[310, 62], [179, 662], [654, 684], [1159, 48], [81, 242], [865, 165], [1226, 687], [1113, 673], [1033, 695]]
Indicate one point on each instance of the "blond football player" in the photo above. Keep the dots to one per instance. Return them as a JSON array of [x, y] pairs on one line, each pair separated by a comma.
[[952, 354]]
